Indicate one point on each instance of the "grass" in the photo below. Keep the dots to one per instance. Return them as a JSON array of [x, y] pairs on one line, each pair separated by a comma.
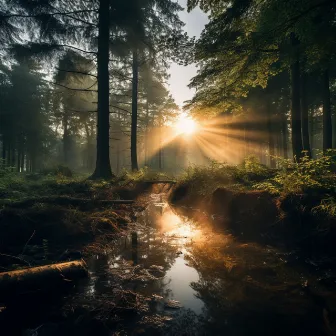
[[39, 234]]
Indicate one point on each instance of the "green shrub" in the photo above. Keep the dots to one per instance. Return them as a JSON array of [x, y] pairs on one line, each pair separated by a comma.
[[145, 174], [206, 179], [307, 175], [58, 170]]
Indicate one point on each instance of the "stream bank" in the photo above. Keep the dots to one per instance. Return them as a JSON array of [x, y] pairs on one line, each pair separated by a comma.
[[291, 221]]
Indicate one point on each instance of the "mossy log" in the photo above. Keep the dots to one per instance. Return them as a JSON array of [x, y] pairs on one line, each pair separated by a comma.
[[64, 201], [42, 278]]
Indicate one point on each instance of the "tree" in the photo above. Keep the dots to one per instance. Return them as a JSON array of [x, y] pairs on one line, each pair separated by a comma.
[[247, 42]]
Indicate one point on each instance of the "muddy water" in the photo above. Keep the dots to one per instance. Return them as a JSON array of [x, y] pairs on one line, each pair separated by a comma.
[[186, 278]]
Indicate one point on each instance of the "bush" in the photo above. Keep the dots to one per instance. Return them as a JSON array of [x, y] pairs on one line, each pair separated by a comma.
[[206, 179], [58, 170], [307, 175], [145, 174]]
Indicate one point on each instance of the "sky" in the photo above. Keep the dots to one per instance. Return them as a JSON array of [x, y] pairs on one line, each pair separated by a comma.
[[181, 75]]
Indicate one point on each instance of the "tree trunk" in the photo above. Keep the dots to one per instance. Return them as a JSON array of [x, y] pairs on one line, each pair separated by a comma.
[[305, 116], [42, 277], [22, 159], [284, 131], [4, 144], [270, 133], [327, 125], [312, 129], [160, 143], [295, 101], [18, 166], [66, 136], [135, 82], [103, 165], [146, 131]]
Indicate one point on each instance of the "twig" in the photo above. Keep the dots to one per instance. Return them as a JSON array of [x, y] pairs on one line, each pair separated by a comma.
[[17, 258], [24, 248]]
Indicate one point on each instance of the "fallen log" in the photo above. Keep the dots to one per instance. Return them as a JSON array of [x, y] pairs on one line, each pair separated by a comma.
[[42, 278], [64, 201]]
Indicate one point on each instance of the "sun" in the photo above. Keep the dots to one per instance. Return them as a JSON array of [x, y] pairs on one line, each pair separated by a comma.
[[185, 125]]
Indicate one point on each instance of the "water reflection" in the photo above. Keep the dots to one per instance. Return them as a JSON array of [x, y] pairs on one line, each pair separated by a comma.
[[223, 286]]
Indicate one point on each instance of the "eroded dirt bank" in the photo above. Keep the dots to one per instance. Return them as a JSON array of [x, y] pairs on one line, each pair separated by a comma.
[[289, 221]]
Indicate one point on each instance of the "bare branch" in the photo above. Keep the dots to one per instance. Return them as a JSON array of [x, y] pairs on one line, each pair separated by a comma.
[[77, 72]]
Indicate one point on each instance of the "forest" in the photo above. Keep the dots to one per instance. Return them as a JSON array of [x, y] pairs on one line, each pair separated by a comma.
[[125, 212]]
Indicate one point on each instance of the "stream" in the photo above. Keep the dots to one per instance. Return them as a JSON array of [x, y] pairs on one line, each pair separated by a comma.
[[171, 275], [192, 279]]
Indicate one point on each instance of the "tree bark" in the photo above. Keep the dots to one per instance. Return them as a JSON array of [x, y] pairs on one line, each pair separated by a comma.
[[66, 136], [135, 82], [103, 165], [327, 124], [41, 277], [305, 116], [295, 101], [270, 133], [146, 131], [284, 131], [4, 144]]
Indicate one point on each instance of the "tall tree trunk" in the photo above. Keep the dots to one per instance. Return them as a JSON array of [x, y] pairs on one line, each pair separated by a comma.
[[312, 129], [334, 129], [22, 159], [270, 132], [327, 125], [134, 127], [66, 136], [18, 166], [295, 100], [146, 132], [4, 144], [160, 143], [103, 165], [284, 132], [118, 158], [305, 116]]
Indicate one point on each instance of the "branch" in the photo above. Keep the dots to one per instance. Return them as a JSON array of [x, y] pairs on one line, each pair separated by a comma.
[[77, 72], [75, 48], [73, 89], [120, 108], [9, 16]]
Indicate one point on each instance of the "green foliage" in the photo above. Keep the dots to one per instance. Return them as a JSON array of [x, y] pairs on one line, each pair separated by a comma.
[[326, 208], [307, 175], [145, 174], [206, 179], [58, 170]]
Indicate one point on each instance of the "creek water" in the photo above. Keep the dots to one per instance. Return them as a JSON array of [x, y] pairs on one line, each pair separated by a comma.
[[172, 275], [193, 279]]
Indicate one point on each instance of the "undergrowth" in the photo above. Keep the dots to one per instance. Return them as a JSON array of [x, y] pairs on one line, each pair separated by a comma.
[[204, 180], [306, 176], [145, 174]]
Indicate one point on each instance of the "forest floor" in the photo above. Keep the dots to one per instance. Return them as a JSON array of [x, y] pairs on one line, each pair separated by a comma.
[[51, 219]]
